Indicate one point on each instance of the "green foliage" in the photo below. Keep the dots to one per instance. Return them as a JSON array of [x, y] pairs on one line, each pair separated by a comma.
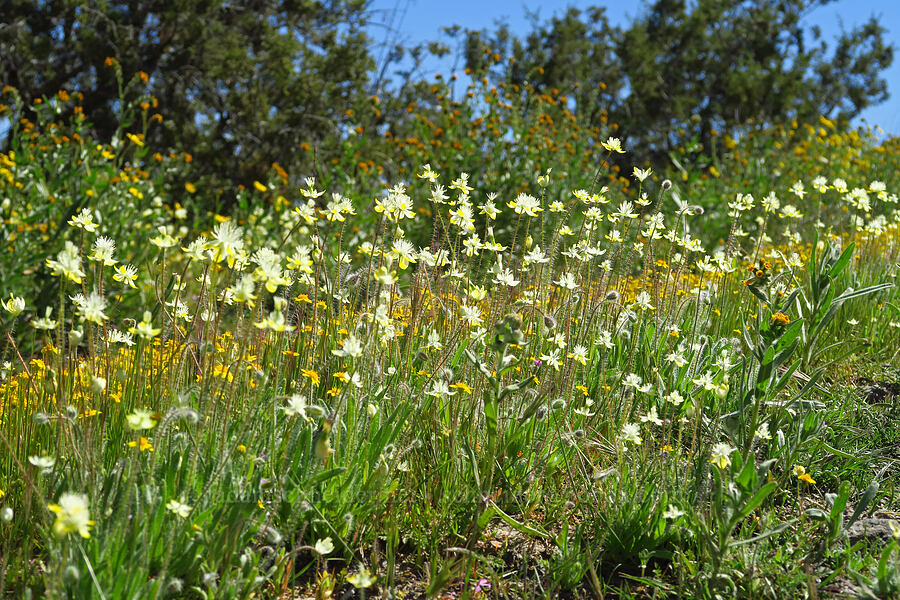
[[681, 72], [240, 85]]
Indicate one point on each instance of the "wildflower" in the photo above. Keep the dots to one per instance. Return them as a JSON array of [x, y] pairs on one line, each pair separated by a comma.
[[428, 174], [506, 277], [103, 250], [780, 318], [631, 432], [672, 513], [179, 508], [771, 203], [310, 192], [461, 184], [525, 204], [190, 188], [440, 389], [243, 290], [362, 578], [311, 375], [269, 269], [141, 419], [642, 301], [434, 341], [14, 306], [651, 417], [535, 256], [567, 280], [489, 209], [613, 144], [145, 328], [114, 336], [67, 263], [91, 309], [721, 455], [275, 321], [296, 407], [126, 274], [470, 314], [72, 515], [351, 348], [790, 211], [163, 238], [84, 220], [405, 252], [226, 244], [675, 398], [42, 462], [552, 359], [604, 338], [324, 547], [641, 174], [677, 358], [143, 444], [462, 217], [579, 354], [462, 385]]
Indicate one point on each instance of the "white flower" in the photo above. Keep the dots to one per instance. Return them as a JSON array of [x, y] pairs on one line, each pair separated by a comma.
[[641, 174], [721, 455], [42, 462], [179, 508], [631, 432], [526, 204], [675, 398], [14, 306], [440, 389], [91, 309], [141, 419], [552, 359], [296, 406], [579, 354], [352, 348], [506, 277], [651, 417], [72, 515], [470, 314], [672, 513], [567, 281], [642, 301], [325, 546]]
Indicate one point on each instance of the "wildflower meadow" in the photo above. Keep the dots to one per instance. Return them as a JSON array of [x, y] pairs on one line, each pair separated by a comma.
[[510, 365]]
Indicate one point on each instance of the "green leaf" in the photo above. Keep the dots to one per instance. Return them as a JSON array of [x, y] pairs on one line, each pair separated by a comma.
[[842, 261], [768, 533], [867, 497], [758, 498], [520, 527]]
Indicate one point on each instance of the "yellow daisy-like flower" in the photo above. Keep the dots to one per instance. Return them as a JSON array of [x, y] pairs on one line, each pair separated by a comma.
[[311, 375]]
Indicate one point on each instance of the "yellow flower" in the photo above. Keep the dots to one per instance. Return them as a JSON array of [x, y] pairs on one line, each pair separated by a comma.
[[137, 140], [259, 186], [190, 188], [462, 385], [780, 318], [807, 478], [311, 375], [143, 444]]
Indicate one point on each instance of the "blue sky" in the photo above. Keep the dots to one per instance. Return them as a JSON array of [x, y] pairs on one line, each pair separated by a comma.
[[420, 20]]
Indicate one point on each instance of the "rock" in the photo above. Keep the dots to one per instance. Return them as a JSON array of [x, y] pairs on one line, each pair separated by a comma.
[[872, 529]]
